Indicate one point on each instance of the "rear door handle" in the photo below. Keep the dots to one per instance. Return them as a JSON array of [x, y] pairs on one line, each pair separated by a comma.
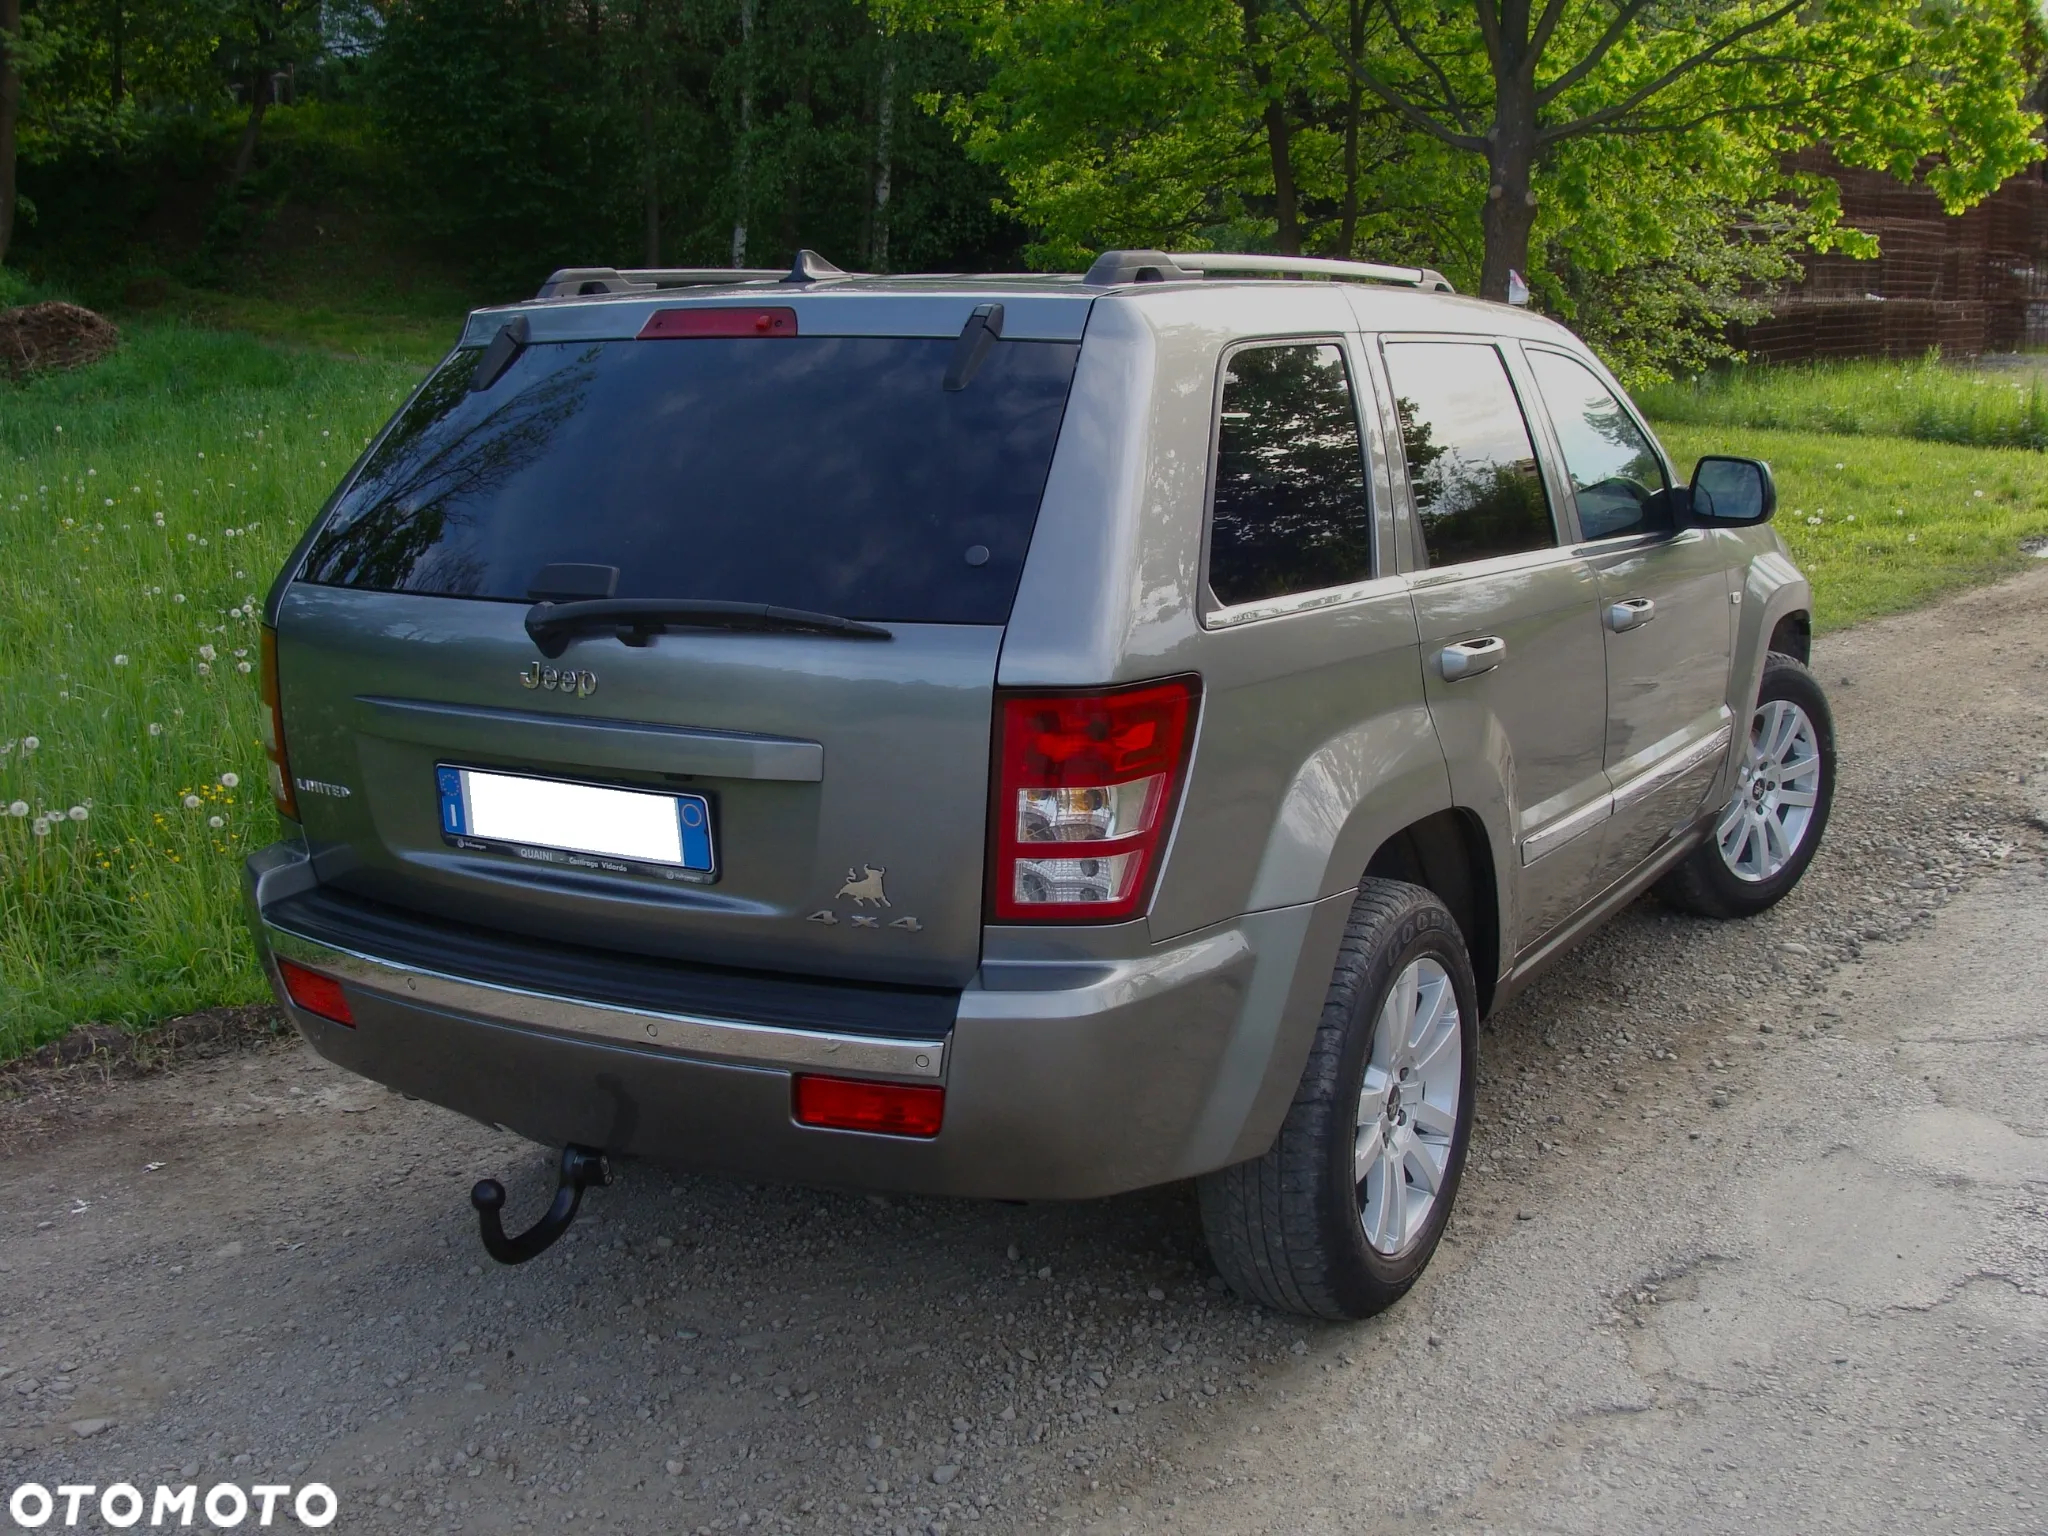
[[1630, 613], [1469, 658]]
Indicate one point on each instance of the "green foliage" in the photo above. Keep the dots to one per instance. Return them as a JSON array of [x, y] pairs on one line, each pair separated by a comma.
[[1654, 164], [1882, 524], [1924, 399], [144, 505]]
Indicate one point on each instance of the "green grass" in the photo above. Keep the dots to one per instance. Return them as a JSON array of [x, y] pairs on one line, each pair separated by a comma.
[[119, 486], [1882, 524], [144, 506], [1985, 408]]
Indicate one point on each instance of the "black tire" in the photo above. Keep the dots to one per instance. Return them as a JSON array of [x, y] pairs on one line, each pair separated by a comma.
[[1286, 1229], [1704, 884]]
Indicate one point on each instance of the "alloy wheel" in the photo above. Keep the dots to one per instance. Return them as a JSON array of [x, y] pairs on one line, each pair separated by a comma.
[[1766, 822], [1408, 1107]]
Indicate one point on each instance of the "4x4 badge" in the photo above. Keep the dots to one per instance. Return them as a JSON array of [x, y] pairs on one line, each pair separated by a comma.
[[864, 886]]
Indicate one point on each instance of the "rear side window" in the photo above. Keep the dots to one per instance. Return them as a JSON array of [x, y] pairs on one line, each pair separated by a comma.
[[1470, 461], [1291, 512], [828, 473], [1617, 479]]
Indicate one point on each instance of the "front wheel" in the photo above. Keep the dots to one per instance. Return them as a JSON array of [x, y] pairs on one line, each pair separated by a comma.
[[1341, 1216], [1770, 829]]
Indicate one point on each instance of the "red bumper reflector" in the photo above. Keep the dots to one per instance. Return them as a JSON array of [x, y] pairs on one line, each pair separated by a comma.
[[893, 1109], [315, 993], [753, 320]]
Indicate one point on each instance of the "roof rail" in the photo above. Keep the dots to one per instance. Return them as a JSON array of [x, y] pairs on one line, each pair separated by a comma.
[[809, 267], [571, 281], [1118, 267]]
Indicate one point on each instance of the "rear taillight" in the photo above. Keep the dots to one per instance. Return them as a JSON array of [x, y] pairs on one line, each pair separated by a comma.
[[315, 993], [273, 732], [1086, 785], [847, 1104]]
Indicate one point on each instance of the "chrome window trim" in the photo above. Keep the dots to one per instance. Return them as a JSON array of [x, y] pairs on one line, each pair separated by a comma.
[[724, 1041], [1305, 602]]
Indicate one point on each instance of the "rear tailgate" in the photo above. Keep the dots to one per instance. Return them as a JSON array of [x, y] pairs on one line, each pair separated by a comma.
[[821, 760], [843, 780]]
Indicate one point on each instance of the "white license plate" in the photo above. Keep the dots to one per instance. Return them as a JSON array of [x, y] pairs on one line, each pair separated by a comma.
[[594, 824]]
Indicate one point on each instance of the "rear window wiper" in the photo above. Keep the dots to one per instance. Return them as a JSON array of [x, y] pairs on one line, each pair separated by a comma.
[[637, 620]]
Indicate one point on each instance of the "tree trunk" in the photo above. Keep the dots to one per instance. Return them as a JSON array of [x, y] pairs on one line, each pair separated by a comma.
[[652, 188], [245, 151], [742, 168], [1279, 135], [10, 110], [650, 171], [885, 127], [1348, 236], [117, 83], [1510, 196]]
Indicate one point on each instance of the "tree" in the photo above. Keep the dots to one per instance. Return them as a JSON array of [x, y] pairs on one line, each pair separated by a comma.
[[10, 114], [1888, 83]]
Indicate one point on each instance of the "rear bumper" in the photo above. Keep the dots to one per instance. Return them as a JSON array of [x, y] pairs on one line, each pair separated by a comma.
[[1063, 1079]]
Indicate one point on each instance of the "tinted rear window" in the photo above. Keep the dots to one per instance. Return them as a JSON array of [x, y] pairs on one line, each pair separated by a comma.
[[826, 473]]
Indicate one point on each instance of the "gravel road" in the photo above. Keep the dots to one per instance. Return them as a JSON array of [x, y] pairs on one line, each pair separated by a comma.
[[1756, 1239]]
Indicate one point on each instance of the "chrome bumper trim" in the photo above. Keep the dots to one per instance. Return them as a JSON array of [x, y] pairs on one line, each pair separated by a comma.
[[710, 1039]]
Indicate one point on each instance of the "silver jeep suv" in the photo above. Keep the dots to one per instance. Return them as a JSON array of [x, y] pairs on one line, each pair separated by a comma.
[[1017, 736]]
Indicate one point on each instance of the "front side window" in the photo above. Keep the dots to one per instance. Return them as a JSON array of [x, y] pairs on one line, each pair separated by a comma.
[[1471, 464], [1291, 510], [1616, 475]]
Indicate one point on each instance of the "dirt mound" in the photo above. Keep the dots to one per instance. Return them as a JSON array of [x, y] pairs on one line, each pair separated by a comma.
[[39, 337]]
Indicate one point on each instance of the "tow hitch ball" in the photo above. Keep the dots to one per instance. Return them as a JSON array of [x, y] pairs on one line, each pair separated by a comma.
[[581, 1168]]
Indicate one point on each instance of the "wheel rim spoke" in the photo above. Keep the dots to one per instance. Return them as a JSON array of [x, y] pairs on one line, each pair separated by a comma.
[[1366, 1149], [1433, 1120]]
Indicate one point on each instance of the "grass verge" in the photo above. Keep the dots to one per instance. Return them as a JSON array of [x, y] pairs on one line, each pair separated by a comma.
[[145, 504], [1983, 408], [1882, 524]]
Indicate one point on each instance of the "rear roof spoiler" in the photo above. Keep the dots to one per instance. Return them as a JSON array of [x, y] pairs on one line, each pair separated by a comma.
[[572, 282], [1115, 268]]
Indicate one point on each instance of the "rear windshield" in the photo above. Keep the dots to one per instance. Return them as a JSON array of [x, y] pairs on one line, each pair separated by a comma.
[[828, 473]]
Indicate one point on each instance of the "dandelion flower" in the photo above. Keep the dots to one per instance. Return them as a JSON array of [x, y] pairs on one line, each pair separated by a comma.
[[230, 781], [40, 826], [207, 653], [110, 500], [1976, 493], [78, 813], [215, 822], [155, 729], [177, 597], [120, 661], [30, 743], [1841, 466], [191, 802], [205, 670], [19, 808], [1912, 538], [191, 538], [242, 666]]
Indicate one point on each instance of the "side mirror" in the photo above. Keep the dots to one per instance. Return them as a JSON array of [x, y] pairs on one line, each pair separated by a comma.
[[1732, 493]]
